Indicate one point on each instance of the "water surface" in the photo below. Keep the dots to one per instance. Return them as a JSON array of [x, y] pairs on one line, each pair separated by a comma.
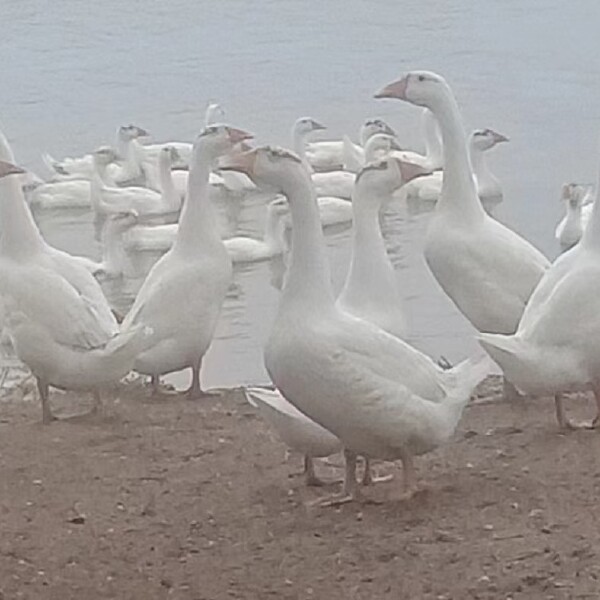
[[74, 71]]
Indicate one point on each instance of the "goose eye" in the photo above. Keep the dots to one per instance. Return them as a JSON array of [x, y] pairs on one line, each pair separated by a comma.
[[421, 77]]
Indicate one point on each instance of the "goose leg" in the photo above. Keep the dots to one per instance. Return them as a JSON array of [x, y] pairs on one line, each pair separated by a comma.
[[195, 391], [510, 392], [155, 383], [47, 416], [596, 421], [98, 407], [351, 491], [564, 422], [369, 479], [410, 477], [309, 473]]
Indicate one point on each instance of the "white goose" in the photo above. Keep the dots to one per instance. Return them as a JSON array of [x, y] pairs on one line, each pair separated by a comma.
[[578, 203], [332, 155], [60, 323], [147, 203], [113, 248], [427, 189], [379, 145], [331, 183], [371, 290], [556, 347], [370, 269], [486, 269], [182, 295], [118, 174], [380, 396]]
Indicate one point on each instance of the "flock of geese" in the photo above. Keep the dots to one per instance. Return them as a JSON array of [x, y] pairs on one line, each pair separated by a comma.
[[344, 377]]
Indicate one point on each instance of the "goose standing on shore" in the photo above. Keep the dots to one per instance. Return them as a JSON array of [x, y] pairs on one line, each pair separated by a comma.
[[486, 269], [58, 319], [556, 348], [182, 295], [378, 395]]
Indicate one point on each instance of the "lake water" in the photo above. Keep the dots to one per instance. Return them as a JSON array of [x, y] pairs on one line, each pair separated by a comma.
[[73, 71]]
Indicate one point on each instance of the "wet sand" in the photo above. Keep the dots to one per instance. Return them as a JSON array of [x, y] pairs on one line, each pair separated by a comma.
[[161, 499]]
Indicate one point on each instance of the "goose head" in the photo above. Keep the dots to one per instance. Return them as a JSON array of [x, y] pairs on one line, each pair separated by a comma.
[[217, 140], [214, 113], [306, 125], [269, 167], [485, 139], [380, 145], [575, 195], [104, 156], [169, 155], [372, 127], [422, 88], [127, 133], [8, 168], [384, 176]]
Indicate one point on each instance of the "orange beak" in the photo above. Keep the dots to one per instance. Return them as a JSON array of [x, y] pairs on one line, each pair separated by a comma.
[[238, 135], [7, 168], [242, 162], [394, 90]]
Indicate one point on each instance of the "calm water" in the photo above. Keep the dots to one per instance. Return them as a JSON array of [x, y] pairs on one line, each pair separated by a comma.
[[73, 71]]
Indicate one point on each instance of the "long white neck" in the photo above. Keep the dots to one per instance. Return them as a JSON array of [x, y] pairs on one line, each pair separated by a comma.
[[20, 234], [487, 183], [197, 224], [273, 236], [371, 147], [433, 143], [308, 284], [371, 271], [459, 198], [169, 194], [97, 183], [132, 162], [299, 146]]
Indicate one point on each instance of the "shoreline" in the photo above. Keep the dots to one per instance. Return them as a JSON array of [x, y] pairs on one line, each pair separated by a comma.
[[171, 498]]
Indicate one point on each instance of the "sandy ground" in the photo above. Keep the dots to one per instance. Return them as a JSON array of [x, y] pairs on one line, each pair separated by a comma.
[[195, 500]]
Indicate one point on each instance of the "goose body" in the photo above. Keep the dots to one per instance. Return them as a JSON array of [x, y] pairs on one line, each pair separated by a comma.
[[578, 211], [125, 173], [145, 202], [378, 395], [182, 295], [556, 347], [332, 155], [58, 319], [486, 269], [294, 428], [241, 249]]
